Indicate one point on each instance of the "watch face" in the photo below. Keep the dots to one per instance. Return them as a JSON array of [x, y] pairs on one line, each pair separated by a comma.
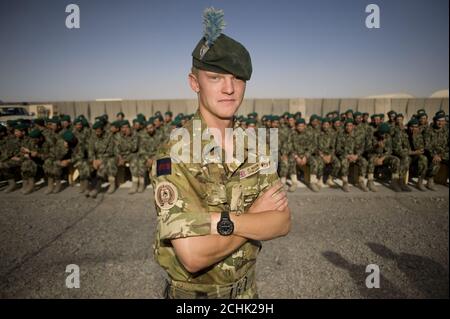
[[225, 227]]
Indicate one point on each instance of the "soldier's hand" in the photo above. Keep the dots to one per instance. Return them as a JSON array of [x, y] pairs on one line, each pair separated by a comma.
[[274, 198], [436, 159], [34, 154], [15, 158]]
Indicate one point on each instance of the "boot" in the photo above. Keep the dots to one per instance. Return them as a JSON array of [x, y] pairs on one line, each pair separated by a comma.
[[420, 185], [294, 183], [141, 188], [30, 186], [371, 183], [11, 186], [112, 185], [395, 184], [361, 184], [134, 186], [57, 188], [50, 185], [345, 186], [320, 182], [403, 185], [83, 185], [24, 185], [330, 182], [97, 186], [313, 184], [430, 184], [285, 184]]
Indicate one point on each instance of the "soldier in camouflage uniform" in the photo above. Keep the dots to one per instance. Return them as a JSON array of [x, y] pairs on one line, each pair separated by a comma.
[[326, 153], [337, 126], [302, 146], [52, 167], [402, 149], [102, 158], [392, 115], [437, 148], [127, 153], [148, 146], [12, 155], [350, 149], [417, 153], [191, 243], [381, 154], [66, 124]]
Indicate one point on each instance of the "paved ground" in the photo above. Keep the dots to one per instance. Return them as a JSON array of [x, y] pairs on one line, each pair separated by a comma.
[[333, 238]]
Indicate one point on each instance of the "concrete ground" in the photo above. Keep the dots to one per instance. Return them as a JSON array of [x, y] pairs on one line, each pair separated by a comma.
[[333, 238]]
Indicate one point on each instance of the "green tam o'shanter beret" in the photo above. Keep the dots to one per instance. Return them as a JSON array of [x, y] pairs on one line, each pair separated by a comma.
[[251, 121], [35, 133], [384, 128], [347, 121], [439, 116], [413, 122], [68, 136], [336, 119], [120, 114], [300, 121], [98, 124], [357, 114], [127, 123], [20, 127], [219, 53], [326, 120], [65, 118], [169, 113]]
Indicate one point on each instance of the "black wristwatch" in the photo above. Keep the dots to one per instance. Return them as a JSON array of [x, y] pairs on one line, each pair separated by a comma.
[[225, 226]]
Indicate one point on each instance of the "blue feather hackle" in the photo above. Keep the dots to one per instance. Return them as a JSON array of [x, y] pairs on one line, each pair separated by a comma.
[[213, 23]]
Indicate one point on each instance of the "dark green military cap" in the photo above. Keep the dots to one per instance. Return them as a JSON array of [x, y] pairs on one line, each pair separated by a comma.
[[20, 127], [298, 114], [285, 114], [374, 116], [399, 115], [357, 114], [251, 121], [365, 113], [381, 115], [275, 118], [168, 113], [116, 124], [219, 53], [127, 123], [65, 118], [157, 113], [11, 123], [336, 119], [68, 136], [39, 121], [55, 120], [35, 133], [314, 117], [420, 111], [78, 120], [98, 124], [413, 122], [384, 128], [349, 121], [439, 113], [85, 122], [419, 115], [439, 116], [391, 112], [121, 114], [290, 116], [349, 111], [326, 120], [300, 121]]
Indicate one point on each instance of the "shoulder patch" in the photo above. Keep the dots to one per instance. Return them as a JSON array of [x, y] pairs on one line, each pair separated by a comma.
[[166, 195], [164, 166]]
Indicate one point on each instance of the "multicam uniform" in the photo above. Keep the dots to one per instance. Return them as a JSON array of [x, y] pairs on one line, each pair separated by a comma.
[[185, 195]]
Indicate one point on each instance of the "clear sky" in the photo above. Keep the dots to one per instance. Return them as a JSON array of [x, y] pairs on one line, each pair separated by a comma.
[[140, 49]]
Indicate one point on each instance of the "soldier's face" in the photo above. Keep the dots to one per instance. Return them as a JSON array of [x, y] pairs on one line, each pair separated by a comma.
[[300, 127], [423, 120], [275, 124], [150, 129], [65, 124], [349, 127], [414, 129], [337, 124], [19, 133], [377, 120], [392, 118], [399, 121], [99, 131], [325, 126], [358, 119], [126, 130], [219, 94], [291, 122], [440, 123], [167, 118], [315, 123], [79, 126], [119, 117]]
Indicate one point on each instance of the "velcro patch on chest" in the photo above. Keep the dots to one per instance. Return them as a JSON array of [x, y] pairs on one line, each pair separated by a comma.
[[249, 171], [164, 166]]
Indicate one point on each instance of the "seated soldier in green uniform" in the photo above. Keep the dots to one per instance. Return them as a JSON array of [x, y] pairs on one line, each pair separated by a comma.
[[212, 212]]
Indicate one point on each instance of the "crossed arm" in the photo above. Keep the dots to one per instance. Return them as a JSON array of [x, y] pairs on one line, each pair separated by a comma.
[[267, 218]]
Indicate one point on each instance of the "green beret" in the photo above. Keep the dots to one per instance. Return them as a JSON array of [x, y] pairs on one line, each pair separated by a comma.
[[39, 122], [116, 124], [420, 111], [413, 122], [381, 115], [349, 111], [139, 120], [65, 118], [349, 121], [78, 120], [336, 119], [314, 117], [219, 53], [157, 113], [290, 116], [298, 114], [147, 123], [11, 123], [422, 114], [141, 116], [300, 121], [35, 133], [391, 112], [439, 116], [439, 113], [275, 118], [121, 114], [168, 113], [374, 116], [68, 136], [20, 127], [98, 124], [384, 128], [357, 114], [251, 121], [127, 123], [326, 120], [399, 115], [286, 114], [365, 113], [85, 122]]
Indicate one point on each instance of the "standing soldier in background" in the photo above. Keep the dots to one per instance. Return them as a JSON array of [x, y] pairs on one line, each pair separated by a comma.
[[52, 167], [102, 158], [402, 150], [350, 149], [127, 152], [437, 147], [392, 116], [417, 145], [148, 146], [326, 154]]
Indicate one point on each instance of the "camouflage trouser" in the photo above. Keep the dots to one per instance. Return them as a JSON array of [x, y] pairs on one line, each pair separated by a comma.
[[335, 166], [422, 164], [433, 168], [28, 168], [284, 168], [133, 160], [405, 161], [312, 162], [389, 160], [84, 169], [107, 168], [6, 166], [142, 166], [245, 288], [52, 168], [361, 162]]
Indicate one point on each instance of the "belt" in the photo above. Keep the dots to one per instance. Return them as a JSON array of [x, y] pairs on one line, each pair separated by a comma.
[[185, 290]]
